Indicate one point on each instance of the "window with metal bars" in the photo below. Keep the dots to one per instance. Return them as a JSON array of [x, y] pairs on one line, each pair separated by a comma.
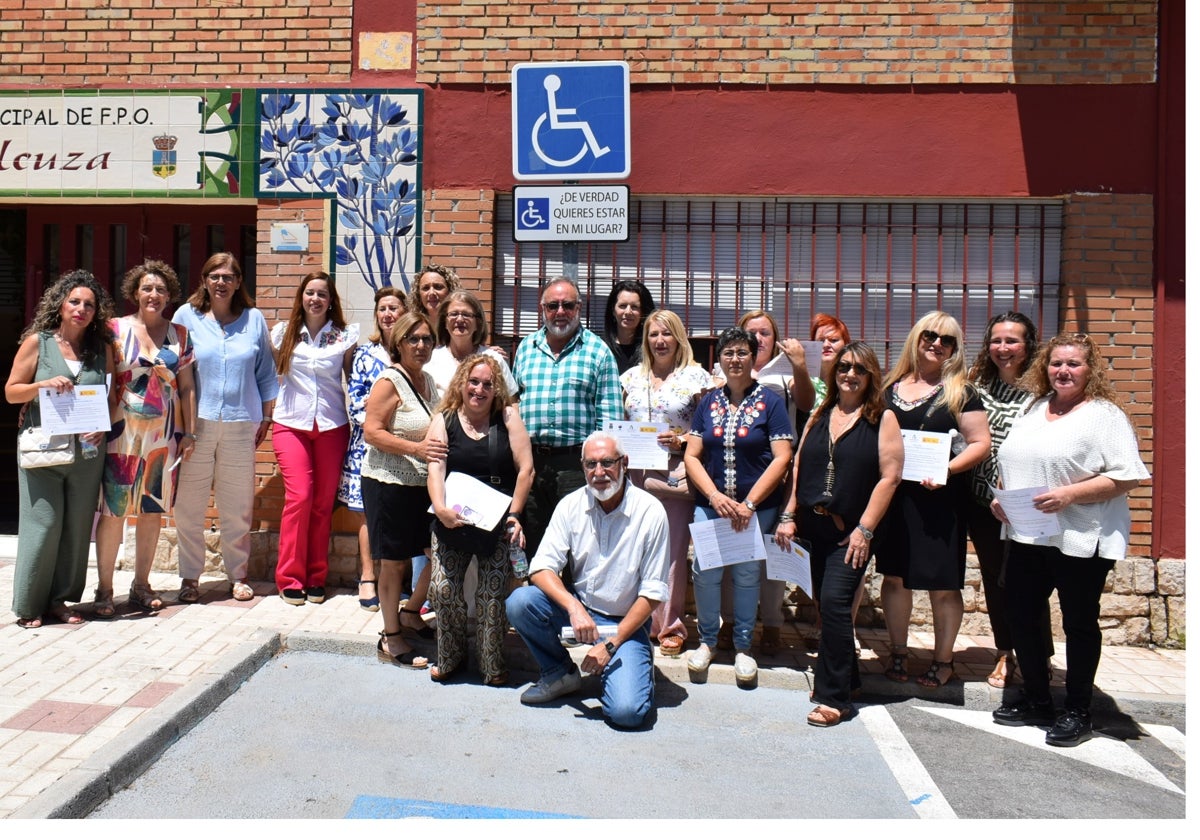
[[878, 265]]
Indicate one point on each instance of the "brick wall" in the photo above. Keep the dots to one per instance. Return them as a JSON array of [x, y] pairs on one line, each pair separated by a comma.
[[1108, 292], [153, 43], [755, 43], [459, 231]]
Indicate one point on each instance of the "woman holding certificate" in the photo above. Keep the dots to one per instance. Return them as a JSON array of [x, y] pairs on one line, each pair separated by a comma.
[[737, 454], [847, 468], [666, 388], [924, 543], [68, 344], [1078, 452], [486, 440]]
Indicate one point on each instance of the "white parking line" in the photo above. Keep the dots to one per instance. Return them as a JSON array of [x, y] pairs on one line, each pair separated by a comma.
[[923, 794], [1169, 737]]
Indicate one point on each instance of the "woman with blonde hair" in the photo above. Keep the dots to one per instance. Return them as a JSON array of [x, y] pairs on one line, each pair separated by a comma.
[[924, 539]]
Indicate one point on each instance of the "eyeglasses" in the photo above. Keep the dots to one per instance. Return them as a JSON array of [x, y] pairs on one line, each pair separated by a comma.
[[846, 367], [222, 278], [564, 305], [931, 337], [590, 464], [730, 355], [485, 384], [416, 340], [460, 316]]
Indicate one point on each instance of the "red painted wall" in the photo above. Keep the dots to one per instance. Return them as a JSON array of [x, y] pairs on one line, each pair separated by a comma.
[[1002, 141]]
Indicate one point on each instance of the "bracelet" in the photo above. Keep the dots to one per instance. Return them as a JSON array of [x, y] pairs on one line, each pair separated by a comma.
[[516, 517], [787, 517], [710, 496], [190, 435]]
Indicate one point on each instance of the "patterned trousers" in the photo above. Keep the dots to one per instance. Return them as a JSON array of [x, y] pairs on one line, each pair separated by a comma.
[[446, 596]]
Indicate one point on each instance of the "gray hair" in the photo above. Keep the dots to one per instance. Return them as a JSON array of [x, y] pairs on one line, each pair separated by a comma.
[[555, 281], [603, 435]]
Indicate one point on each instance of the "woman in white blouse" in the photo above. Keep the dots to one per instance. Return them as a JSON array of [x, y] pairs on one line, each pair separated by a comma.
[[1077, 441], [313, 351], [666, 388]]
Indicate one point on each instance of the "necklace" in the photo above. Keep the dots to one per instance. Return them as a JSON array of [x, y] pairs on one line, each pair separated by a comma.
[[834, 437], [470, 427]]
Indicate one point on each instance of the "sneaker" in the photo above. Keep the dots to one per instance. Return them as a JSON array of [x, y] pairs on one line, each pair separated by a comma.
[[699, 659], [316, 594], [1025, 713], [1073, 727], [544, 691], [295, 597], [745, 669]]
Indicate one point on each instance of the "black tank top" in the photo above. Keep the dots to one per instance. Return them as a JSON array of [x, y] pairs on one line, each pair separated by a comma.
[[470, 456], [855, 464]]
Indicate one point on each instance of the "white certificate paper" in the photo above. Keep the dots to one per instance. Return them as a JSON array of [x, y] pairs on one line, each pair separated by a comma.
[[926, 455], [80, 410], [474, 501], [790, 564], [717, 544], [640, 442], [1023, 518], [781, 364]]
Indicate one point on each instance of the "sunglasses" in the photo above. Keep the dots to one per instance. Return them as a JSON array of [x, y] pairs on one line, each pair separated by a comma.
[[607, 463], [846, 367], [931, 337], [564, 305]]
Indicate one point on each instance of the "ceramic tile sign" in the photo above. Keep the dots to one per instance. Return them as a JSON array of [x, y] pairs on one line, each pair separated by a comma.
[[122, 143]]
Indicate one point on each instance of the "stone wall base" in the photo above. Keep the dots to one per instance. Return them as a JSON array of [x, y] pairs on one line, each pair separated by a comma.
[[1144, 601]]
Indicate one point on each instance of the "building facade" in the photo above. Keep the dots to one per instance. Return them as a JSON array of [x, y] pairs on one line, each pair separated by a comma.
[[875, 160]]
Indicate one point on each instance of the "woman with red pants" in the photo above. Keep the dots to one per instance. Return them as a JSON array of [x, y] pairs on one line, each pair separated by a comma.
[[313, 351]]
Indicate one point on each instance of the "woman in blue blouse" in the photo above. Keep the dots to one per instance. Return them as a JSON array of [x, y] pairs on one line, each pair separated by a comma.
[[737, 455], [235, 392]]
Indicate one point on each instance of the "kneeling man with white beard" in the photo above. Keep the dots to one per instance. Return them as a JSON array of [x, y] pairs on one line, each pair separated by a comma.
[[614, 536]]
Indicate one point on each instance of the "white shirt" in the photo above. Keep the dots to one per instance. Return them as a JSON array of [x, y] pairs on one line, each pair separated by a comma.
[[311, 392], [1094, 439], [442, 366], [615, 557]]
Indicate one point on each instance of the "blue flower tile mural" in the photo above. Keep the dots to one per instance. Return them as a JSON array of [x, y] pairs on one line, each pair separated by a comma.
[[362, 151]]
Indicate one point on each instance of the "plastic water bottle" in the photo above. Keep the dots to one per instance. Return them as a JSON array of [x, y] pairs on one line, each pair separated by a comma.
[[516, 556]]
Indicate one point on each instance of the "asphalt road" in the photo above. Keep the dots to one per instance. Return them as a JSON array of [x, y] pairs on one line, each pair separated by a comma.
[[323, 735]]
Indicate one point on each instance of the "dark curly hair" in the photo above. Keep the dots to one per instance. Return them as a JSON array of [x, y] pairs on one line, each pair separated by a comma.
[[983, 369], [133, 279], [48, 317]]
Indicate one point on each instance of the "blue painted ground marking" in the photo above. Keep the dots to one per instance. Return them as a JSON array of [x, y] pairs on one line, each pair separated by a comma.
[[385, 808], [919, 799]]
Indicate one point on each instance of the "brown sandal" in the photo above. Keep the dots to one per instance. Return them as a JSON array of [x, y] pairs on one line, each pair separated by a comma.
[[142, 596], [65, 614], [824, 716], [1003, 671], [932, 677], [189, 591], [671, 646], [103, 604], [897, 671]]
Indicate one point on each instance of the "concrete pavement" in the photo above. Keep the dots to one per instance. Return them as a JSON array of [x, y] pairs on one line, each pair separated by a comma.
[[84, 709]]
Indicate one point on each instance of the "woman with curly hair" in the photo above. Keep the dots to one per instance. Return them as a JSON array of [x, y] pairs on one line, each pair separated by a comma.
[[1077, 441], [157, 427], [924, 541], [430, 289], [69, 344]]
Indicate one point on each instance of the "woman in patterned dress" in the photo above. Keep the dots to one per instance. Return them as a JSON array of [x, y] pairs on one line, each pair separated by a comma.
[[369, 361], [157, 429], [665, 388], [477, 399]]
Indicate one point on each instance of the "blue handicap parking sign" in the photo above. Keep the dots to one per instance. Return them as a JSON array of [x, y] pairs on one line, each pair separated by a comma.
[[533, 213], [570, 120]]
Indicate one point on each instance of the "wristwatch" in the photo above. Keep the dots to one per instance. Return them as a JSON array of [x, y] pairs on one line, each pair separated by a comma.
[[866, 532], [611, 648], [750, 506]]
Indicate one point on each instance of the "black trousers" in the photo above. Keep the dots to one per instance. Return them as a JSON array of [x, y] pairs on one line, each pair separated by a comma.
[[557, 473], [835, 581], [1034, 572]]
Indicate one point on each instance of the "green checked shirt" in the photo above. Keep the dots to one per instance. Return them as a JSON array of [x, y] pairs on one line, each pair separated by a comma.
[[564, 400]]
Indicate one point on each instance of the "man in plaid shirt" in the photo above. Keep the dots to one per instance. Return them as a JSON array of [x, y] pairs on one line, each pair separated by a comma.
[[569, 386]]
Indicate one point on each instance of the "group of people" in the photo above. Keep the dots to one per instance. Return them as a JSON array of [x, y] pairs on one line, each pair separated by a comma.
[[385, 425]]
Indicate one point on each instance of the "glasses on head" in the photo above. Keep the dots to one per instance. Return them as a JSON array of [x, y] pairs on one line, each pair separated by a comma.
[[730, 355], [846, 367], [418, 340], [564, 305], [460, 316], [222, 278], [590, 464], [931, 337], [485, 384]]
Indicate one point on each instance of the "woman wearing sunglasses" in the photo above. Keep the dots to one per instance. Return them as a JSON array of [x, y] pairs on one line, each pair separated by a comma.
[[847, 469], [924, 542]]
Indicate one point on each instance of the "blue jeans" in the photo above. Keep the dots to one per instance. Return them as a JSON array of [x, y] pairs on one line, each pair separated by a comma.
[[627, 684], [706, 584]]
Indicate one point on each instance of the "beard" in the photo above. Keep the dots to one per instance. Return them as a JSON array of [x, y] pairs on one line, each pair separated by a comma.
[[611, 490], [566, 331]]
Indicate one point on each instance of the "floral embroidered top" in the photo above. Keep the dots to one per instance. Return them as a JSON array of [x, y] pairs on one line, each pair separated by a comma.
[[673, 402], [737, 440]]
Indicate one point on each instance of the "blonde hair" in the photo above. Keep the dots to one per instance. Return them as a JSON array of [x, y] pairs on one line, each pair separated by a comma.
[[955, 387], [674, 325], [452, 400]]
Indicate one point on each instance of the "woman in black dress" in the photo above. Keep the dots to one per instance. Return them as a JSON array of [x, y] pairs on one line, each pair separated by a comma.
[[924, 544], [847, 468]]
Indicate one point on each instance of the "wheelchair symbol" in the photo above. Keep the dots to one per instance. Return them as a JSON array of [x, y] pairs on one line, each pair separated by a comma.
[[535, 215], [555, 114]]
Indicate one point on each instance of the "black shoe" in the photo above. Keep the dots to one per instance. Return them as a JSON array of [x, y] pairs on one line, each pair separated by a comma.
[[316, 594], [1072, 728], [1025, 713], [295, 597]]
